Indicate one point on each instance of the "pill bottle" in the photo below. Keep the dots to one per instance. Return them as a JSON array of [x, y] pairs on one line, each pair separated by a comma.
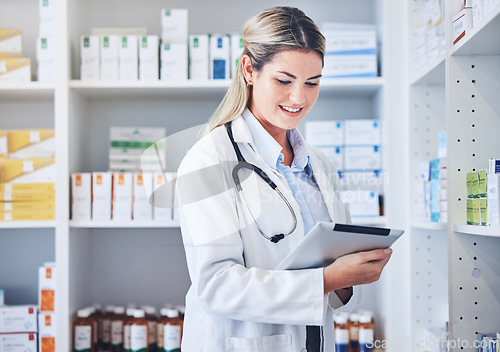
[[172, 331], [139, 332], [83, 330], [160, 327], [152, 320], [341, 331], [95, 328], [366, 333], [353, 332], [181, 310], [129, 316], [105, 325], [117, 322]]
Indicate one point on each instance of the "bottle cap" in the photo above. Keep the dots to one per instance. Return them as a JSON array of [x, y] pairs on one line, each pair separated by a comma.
[[110, 308], [163, 312], [139, 313], [91, 309], [83, 313], [172, 313], [149, 310], [181, 309], [130, 312], [354, 317], [365, 318], [119, 310], [340, 318]]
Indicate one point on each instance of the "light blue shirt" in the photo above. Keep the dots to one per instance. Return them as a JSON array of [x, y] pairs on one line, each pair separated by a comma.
[[299, 175]]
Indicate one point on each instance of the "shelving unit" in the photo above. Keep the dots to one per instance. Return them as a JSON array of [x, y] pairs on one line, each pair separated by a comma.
[[92, 257]]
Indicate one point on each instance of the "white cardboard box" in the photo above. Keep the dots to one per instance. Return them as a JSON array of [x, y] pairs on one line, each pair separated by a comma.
[[16, 319], [47, 332], [122, 196], [45, 57], [220, 57], [174, 25], [24, 342], [198, 57], [47, 283], [15, 70], [90, 57], [493, 202], [47, 16], [174, 61], [128, 54], [164, 213], [149, 58], [361, 203], [362, 132], [11, 41], [325, 133], [236, 51], [362, 158], [335, 154], [101, 196], [142, 209], [81, 196], [109, 57]]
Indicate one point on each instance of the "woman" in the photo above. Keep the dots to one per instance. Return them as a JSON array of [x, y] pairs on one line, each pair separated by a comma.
[[233, 241]]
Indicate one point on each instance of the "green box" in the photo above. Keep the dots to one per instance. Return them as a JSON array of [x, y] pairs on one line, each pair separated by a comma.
[[476, 212], [483, 206], [469, 185], [475, 184], [482, 183], [469, 211]]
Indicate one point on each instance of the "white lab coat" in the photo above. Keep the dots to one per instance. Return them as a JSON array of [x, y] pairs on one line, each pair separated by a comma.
[[237, 302]]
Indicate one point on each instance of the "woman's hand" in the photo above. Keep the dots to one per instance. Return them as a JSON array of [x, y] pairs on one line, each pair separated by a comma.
[[355, 269]]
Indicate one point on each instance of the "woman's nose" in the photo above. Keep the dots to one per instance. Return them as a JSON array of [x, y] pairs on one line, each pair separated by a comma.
[[297, 95]]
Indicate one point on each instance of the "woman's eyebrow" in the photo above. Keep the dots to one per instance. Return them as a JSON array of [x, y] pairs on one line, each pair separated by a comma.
[[293, 76]]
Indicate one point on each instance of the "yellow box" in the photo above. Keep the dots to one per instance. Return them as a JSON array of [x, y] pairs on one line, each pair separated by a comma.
[[23, 197], [40, 215], [27, 170], [476, 212], [28, 187], [15, 70], [23, 144], [3, 144], [28, 206]]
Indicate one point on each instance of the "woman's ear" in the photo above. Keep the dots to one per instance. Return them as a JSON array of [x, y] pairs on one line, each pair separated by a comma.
[[246, 65]]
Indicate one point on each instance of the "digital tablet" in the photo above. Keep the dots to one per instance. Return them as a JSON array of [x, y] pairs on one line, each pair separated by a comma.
[[327, 241]]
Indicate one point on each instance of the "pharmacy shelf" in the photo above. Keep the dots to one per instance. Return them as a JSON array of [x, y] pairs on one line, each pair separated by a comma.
[[478, 41], [28, 90], [27, 224], [427, 225], [431, 74], [123, 224], [103, 90], [490, 231]]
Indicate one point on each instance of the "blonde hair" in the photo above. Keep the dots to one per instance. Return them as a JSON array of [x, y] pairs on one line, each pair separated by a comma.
[[264, 35]]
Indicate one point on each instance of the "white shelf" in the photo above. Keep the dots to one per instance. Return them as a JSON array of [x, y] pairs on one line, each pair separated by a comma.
[[490, 231], [38, 90], [27, 224], [123, 224], [426, 225], [432, 73], [478, 40]]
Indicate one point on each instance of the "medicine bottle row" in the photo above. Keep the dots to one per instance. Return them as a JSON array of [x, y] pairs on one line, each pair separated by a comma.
[[127, 330], [354, 332]]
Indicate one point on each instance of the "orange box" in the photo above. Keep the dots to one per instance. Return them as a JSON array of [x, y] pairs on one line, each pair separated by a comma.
[[47, 287], [47, 332]]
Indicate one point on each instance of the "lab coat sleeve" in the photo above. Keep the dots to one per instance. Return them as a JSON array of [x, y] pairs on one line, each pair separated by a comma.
[[214, 252]]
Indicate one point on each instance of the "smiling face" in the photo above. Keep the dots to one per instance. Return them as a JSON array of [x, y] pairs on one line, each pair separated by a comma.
[[285, 89]]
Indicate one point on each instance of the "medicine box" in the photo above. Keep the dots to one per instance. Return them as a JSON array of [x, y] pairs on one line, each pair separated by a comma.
[[350, 39], [25, 144], [220, 57], [47, 283], [174, 25], [476, 211], [475, 184], [470, 208], [128, 58], [482, 185], [47, 17], [17, 319], [493, 200], [342, 66], [459, 26], [46, 332], [483, 210], [361, 203], [236, 51], [142, 208], [364, 181], [325, 133], [109, 57], [10, 43], [18, 342], [122, 196], [362, 158], [174, 61], [335, 154], [3, 144], [163, 196], [149, 58], [90, 57], [15, 70], [362, 132], [101, 196], [45, 57], [198, 57], [33, 170], [81, 196]]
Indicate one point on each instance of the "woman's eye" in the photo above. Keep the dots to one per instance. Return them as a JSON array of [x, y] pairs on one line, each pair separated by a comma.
[[311, 84], [283, 82]]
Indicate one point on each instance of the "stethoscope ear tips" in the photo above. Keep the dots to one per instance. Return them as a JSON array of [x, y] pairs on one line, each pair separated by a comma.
[[277, 238]]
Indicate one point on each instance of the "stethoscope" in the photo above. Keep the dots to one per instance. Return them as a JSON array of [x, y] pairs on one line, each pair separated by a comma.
[[243, 164]]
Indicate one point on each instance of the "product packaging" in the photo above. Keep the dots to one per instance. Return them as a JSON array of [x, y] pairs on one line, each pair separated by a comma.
[[128, 58], [101, 196], [149, 58], [81, 193], [17, 319], [47, 283], [220, 57], [198, 57], [90, 58], [109, 57]]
